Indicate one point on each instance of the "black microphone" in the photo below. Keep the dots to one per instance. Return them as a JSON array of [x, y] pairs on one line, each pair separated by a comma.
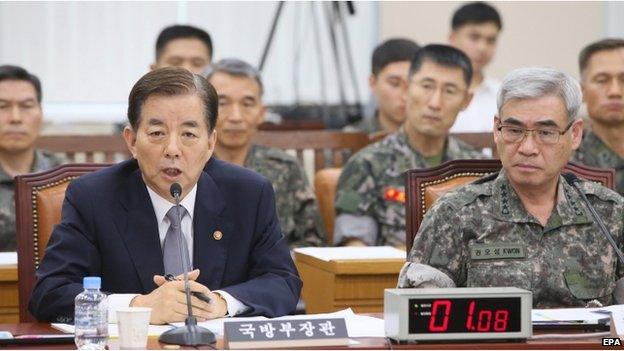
[[176, 191], [573, 180], [190, 334]]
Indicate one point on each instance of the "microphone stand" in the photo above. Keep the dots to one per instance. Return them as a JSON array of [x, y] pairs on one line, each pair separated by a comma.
[[190, 334]]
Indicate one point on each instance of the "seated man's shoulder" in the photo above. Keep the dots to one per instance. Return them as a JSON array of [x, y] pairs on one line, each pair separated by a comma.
[[597, 192], [229, 174], [466, 196], [272, 156], [372, 160], [377, 151], [106, 177], [281, 168], [46, 159], [459, 149]]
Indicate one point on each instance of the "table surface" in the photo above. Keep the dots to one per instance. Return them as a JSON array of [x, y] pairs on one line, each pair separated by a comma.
[[363, 343]]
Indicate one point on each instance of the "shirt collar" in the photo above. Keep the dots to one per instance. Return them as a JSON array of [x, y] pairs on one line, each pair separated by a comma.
[[508, 207], [162, 205]]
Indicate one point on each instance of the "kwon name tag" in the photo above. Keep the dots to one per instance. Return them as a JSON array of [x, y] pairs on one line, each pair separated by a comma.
[[497, 251]]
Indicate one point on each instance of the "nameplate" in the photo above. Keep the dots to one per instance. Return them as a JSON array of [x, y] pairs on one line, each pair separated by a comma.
[[285, 333], [497, 251]]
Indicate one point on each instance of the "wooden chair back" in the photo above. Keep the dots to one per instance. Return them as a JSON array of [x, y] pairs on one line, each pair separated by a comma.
[[325, 184], [87, 148], [425, 186], [483, 142], [38, 203]]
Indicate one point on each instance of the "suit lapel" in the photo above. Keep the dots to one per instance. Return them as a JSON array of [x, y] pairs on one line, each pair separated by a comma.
[[210, 249], [140, 231]]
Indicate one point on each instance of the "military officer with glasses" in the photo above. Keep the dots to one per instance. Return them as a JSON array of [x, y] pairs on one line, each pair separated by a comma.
[[525, 226]]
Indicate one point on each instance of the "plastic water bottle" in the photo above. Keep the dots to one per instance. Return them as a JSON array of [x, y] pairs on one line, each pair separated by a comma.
[[91, 316]]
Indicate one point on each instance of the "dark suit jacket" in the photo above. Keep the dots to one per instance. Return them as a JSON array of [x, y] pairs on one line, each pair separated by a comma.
[[109, 229]]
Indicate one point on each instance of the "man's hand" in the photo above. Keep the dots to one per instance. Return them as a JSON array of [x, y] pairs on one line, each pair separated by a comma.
[[168, 301]]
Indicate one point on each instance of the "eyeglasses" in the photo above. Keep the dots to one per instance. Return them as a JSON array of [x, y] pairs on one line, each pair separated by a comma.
[[546, 136]]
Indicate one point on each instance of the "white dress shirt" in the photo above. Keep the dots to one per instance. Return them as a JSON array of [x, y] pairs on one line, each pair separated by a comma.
[[479, 115], [161, 207]]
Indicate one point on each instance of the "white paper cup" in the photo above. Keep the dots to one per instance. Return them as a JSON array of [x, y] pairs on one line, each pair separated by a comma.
[[133, 324]]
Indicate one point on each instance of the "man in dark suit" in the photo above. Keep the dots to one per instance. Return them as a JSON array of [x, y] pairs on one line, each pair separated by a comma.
[[116, 221]]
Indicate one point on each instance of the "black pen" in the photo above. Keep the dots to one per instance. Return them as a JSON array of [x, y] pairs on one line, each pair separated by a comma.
[[199, 295]]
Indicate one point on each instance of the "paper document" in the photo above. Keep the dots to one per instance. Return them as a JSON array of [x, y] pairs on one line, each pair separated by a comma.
[[353, 253], [570, 315], [113, 331], [357, 326], [7, 258]]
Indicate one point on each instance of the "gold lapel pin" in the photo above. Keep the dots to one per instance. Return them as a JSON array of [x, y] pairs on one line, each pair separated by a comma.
[[217, 235]]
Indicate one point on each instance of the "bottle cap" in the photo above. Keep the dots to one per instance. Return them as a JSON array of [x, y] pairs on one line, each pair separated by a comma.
[[92, 282]]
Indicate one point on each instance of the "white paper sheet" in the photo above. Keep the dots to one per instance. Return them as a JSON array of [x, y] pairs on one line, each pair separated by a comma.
[[8, 258], [570, 315], [357, 326], [352, 253], [113, 331], [365, 327]]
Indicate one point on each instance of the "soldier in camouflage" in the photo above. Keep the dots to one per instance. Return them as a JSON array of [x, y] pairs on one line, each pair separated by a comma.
[[240, 112], [596, 153], [296, 205], [525, 226], [20, 122], [370, 200], [387, 82], [602, 68], [373, 182]]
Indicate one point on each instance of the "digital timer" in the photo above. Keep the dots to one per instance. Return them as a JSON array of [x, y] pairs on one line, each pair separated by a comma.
[[458, 313]]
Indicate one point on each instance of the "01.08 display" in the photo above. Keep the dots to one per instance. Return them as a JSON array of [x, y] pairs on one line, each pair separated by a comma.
[[464, 315]]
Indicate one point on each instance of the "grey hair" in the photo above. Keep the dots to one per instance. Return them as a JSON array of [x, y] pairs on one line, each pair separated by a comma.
[[234, 67], [537, 82]]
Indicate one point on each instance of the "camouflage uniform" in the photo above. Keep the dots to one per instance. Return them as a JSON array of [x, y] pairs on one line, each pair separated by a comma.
[[595, 153], [296, 206], [372, 182], [480, 235], [365, 125], [8, 242]]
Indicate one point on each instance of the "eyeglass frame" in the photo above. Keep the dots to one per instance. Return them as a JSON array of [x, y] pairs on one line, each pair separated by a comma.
[[527, 131]]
